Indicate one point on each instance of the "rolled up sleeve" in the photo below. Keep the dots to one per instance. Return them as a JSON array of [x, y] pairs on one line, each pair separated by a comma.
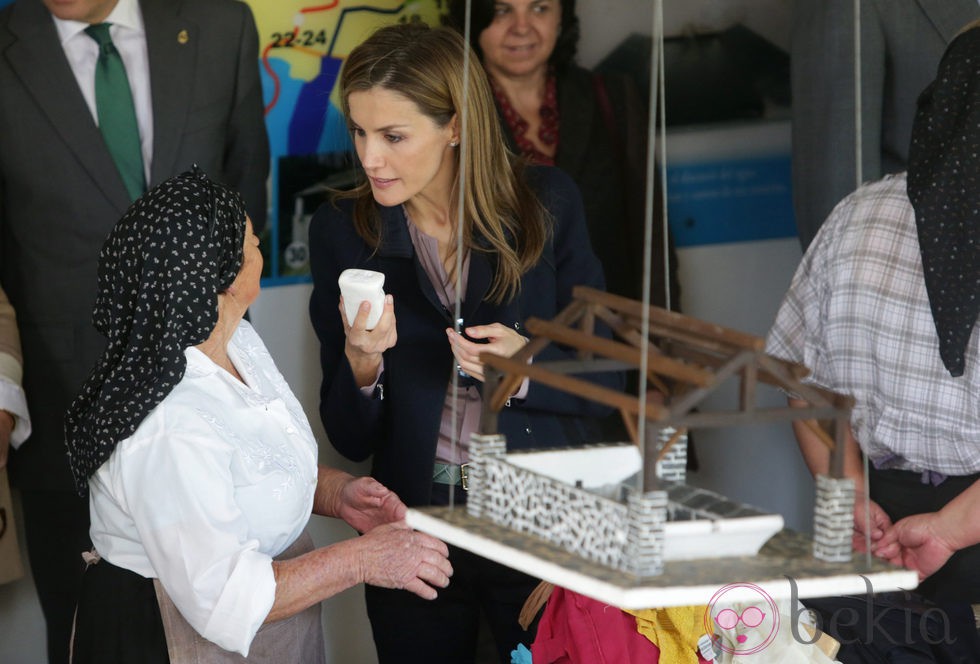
[[179, 490]]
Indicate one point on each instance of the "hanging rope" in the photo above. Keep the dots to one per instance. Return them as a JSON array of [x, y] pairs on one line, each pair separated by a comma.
[[657, 94], [859, 180], [858, 129], [460, 211]]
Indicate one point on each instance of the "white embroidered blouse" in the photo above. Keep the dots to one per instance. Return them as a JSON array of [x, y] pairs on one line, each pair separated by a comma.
[[214, 483]]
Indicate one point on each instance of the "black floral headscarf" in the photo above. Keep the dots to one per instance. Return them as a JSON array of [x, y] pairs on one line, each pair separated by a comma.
[[160, 272], [944, 187]]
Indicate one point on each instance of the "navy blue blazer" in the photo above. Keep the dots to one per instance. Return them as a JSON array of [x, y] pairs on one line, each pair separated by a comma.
[[401, 429]]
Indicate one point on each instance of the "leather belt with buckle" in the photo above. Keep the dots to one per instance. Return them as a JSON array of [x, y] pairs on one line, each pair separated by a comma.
[[448, 473]]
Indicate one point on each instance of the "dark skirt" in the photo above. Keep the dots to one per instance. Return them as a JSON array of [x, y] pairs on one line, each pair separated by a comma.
[[118, 619], [123, 618]]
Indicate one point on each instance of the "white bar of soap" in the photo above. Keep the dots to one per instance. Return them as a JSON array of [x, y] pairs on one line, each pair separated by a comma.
[[359, 285]]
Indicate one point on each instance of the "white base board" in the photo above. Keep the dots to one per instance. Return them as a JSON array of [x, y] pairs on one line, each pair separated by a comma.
[[784, 569]]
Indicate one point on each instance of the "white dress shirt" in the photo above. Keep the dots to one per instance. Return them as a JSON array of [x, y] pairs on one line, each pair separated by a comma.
[[216, 481], [129, 37]]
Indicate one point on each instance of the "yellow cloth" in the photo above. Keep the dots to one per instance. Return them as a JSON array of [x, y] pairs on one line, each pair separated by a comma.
[[675, 631]]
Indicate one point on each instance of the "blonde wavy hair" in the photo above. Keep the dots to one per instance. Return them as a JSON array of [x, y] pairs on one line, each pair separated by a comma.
[[425, 65]]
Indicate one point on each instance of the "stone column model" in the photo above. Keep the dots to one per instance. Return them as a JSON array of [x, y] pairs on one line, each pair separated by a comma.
[[833, 519], [643, 554], [484, 448]]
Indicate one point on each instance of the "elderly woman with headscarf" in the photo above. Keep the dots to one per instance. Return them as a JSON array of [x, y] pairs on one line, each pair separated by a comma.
[[200, 464], [884, 307]]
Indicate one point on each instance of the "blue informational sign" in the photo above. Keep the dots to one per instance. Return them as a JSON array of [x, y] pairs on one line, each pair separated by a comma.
[[730, 200]]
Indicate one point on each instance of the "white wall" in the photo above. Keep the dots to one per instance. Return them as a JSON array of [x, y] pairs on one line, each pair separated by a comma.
[[740, 286], [280, 317], [736, 285], [605, 23]]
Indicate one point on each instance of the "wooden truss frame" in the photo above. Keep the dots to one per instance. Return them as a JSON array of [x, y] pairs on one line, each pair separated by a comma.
[[687, 360]]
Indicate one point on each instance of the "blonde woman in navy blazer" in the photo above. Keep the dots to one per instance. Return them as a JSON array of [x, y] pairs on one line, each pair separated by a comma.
[[525, 236]]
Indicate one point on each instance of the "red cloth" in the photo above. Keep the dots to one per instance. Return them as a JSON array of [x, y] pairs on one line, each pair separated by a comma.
[[577, 630]]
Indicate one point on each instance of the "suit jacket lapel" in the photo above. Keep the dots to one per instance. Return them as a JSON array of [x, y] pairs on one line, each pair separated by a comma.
[[945, 15], [171, 43], [39, 61]]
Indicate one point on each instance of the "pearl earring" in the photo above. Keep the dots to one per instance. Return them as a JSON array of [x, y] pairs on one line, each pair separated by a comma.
[[453, 144]]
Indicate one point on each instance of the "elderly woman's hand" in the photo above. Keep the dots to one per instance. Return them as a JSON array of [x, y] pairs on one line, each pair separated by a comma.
[[395, 556], [365, 503], [390, 556], [501, 340], [364, 347]]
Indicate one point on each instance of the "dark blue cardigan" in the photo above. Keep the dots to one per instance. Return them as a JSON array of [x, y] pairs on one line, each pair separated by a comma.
[[401, 430]]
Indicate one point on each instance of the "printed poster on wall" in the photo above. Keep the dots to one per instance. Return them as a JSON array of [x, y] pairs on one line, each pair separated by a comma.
[[302, 46]]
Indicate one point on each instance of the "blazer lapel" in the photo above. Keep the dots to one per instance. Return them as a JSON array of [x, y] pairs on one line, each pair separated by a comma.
[[945, 15], [478, 283], [171, 42], [39, 61], [396, 244]]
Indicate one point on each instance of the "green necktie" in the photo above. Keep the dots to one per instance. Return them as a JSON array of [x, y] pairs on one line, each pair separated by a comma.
[[117, 115]]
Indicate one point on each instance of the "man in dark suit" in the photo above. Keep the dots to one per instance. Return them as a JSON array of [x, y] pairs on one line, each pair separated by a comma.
[[192, 68], [901, 43]]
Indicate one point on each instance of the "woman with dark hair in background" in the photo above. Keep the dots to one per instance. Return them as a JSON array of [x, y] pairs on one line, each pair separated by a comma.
[[592, 126], [389, 391]]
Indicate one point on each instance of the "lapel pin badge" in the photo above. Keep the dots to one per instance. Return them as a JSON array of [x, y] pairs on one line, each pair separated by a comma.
[[183, 37]]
